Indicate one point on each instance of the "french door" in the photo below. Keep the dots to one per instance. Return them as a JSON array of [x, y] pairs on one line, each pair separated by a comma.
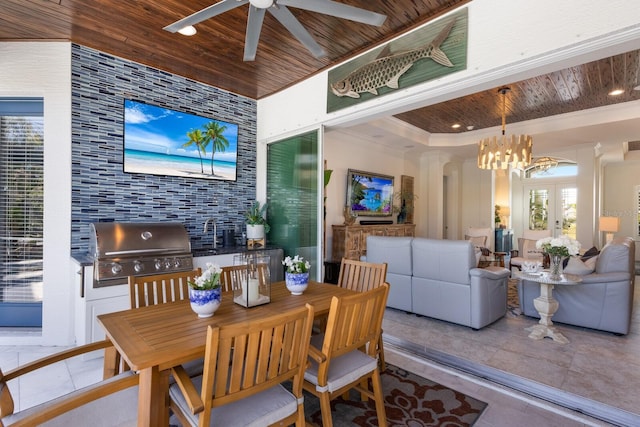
[[551, 207]]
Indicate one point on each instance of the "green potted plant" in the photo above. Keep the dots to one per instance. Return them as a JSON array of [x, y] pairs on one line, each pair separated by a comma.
[[256, 221]]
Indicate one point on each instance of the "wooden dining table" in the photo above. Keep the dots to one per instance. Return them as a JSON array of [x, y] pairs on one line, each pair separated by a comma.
[[153, 339]]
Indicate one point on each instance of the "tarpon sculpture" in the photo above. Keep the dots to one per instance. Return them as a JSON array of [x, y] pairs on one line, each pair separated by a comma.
[[387, 68]]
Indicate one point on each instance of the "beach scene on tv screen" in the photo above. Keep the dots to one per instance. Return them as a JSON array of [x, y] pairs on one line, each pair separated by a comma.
[[371, 195], [161, 141]]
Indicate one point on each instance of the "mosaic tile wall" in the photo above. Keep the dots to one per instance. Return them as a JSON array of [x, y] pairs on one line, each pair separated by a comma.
[[101, 191]]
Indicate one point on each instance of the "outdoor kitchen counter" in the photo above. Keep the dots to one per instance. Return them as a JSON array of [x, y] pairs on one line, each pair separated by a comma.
[[222, 250]]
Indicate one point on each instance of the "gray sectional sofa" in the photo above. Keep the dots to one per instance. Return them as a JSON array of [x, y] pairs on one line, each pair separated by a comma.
[[439, 279], [603, 300]]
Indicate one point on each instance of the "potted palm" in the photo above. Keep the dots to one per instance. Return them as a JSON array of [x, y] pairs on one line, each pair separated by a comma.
[[256, 222]]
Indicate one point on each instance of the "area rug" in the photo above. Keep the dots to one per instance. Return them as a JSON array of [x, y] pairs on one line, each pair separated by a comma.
[[410, 400], [513, 301]]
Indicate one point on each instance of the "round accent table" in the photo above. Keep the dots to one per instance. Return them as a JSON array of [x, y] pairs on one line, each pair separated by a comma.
[[546, 304]]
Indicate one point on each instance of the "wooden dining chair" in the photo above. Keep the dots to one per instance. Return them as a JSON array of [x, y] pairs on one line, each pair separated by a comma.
[[232, 276], [163, 288], [112, 401], [362, 276], [160, 288], [338, 359], [245, 366]]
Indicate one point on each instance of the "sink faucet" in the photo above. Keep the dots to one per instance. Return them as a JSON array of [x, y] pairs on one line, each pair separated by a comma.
[[215, 231]]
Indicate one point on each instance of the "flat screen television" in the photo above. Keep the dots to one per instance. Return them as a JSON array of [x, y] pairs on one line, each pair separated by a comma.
[[161, 141], [369, 194]]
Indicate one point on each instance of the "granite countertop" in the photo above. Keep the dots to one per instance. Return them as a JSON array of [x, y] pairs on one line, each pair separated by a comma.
[[84, 258]]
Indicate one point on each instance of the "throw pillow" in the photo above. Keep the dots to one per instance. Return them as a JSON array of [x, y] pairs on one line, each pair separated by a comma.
[[590, 253], [578, 267], [477, 242], [529, 249], [591, 263]]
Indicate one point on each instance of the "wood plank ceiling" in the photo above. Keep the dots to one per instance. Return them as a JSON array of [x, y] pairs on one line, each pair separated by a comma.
[[134, 30]]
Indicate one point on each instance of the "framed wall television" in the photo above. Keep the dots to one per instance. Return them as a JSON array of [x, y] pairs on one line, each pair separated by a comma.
[[369, 194], [161, 141]]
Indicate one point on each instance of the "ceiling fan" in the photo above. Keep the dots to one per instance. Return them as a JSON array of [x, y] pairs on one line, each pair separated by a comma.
[[278, 8]]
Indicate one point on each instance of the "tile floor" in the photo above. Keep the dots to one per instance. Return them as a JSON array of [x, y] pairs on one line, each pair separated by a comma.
[[498, 364]]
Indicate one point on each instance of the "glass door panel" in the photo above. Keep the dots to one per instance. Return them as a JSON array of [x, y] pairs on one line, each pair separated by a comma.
[[292, 195], [21, 211], [552, 206]]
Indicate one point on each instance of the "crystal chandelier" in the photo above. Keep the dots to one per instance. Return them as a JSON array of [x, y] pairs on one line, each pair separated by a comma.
[[502, 152], [543, 164]]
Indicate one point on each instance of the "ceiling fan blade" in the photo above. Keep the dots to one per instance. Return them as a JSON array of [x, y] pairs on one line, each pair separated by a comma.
[[252, 36], [339, 10], [294, 26], [204, 14]]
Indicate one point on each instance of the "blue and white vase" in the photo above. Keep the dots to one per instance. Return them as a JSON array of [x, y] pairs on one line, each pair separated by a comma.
[[296, 282], [205, 302]]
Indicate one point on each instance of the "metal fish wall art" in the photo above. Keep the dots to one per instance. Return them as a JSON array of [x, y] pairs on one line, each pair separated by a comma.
[[387, 68]]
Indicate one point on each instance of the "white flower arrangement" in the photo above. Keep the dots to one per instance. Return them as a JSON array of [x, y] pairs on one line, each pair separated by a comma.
[[563, 245], [297, 264], [209, 279]]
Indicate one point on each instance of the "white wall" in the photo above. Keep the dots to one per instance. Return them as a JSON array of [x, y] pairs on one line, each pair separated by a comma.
[[343, 152], [44, 70], [619, 198]]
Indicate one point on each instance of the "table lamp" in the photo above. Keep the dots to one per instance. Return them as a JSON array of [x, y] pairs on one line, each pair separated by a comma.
[[610, 225]]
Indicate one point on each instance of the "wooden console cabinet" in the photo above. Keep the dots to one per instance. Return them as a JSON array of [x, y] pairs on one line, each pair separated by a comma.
[[350, 241]]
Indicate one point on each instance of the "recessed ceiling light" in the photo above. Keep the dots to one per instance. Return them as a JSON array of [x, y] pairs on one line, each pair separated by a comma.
[[455, 125], [616, 92], [189, 30]]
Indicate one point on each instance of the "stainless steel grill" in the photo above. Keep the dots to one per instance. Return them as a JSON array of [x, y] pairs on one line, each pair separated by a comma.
[[124, 249]]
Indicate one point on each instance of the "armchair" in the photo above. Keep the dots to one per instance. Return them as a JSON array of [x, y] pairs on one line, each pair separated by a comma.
[[527, 250], [481, 240], [110, 402]]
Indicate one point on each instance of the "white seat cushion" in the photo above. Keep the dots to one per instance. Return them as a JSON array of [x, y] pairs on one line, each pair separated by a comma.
[[343, 370], [119, 409], [258, 410]]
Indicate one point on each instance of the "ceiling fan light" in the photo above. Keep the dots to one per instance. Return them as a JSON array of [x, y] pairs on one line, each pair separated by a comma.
[[261, 4], [189, 30]]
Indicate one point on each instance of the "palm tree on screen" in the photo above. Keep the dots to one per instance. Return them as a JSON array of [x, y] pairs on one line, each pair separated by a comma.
[[214, 134], [197, 138]]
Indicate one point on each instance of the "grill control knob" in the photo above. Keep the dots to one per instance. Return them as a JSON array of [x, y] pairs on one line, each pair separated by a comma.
[[116, 268], [176, 263], [167, 264], [157, 264], [138, 267]]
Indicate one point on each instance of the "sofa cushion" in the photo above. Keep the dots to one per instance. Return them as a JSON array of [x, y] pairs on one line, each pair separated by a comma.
[[612, 258], [443, 260], [395, 251]]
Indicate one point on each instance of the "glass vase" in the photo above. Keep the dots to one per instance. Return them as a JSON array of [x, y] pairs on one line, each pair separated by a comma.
[[555, 266]]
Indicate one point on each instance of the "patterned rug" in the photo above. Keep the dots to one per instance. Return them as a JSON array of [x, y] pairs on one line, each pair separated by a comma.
[[513, 302], [410, 400]]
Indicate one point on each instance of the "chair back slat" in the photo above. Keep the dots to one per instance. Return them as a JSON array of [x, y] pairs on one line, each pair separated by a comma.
[[232, 276], [244, 359], [160, 288], [361, 276]]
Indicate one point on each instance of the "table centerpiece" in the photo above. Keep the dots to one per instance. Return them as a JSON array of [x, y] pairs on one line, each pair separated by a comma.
[[558, 248]]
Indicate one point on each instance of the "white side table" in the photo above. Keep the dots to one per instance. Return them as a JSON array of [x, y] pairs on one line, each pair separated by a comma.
[[546, 304]]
